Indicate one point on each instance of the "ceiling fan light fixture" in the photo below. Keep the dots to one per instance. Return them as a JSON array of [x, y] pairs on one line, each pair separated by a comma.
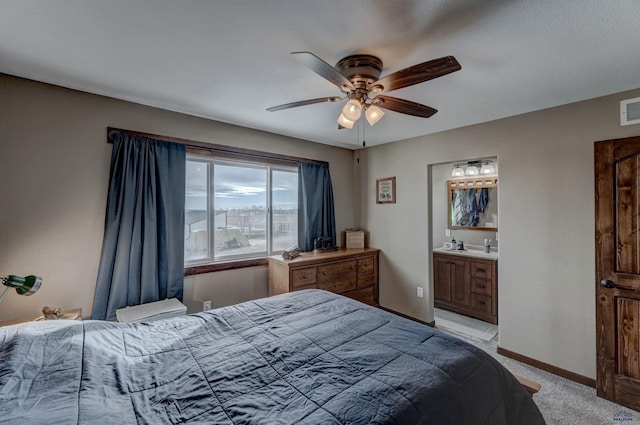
[[373, 114], [352, 110], [346, 123]]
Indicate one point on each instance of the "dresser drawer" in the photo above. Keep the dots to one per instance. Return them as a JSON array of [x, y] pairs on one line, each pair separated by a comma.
[[340, 286], [303, 277], [362, 295], [366, 264], [365, 279], [481, 286], [335, 271], [482, 303], [481, 270]]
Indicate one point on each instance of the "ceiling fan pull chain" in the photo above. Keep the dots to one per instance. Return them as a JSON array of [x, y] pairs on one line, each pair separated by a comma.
[[363, 127]]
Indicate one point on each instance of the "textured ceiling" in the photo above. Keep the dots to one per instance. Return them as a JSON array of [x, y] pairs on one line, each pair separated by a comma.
[[229, 60]]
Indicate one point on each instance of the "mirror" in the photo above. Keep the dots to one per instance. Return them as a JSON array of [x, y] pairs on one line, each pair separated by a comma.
[[473, 203]]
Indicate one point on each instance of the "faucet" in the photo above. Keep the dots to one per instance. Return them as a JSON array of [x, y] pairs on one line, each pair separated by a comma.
[[487, 245]]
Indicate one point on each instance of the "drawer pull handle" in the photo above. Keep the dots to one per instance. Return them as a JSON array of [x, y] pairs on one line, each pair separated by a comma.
[[480, 285], [304, 276], [324, 273], [481, 270], [479, 302]]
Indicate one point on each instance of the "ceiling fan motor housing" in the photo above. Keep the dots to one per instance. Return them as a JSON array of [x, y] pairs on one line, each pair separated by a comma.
[[361, 70]]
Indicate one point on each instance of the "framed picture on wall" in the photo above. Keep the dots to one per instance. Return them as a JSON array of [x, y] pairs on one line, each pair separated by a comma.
[[386, 190]]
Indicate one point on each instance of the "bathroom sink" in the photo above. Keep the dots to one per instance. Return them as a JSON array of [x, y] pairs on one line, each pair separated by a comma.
[[470, 251]]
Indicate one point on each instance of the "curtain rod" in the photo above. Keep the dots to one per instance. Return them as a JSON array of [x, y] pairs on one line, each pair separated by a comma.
[[213, 147]]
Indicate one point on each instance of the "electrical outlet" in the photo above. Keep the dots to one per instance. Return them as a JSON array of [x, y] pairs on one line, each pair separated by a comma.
[[447, 232], [420, 292], [206, 305]]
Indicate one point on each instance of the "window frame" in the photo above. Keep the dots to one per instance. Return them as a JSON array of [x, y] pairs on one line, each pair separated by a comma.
[[211, 158]]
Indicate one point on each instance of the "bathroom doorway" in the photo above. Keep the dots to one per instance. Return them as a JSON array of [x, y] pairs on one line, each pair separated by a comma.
[[465, 280]]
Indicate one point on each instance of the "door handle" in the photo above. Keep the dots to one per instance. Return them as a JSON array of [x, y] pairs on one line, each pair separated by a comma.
[[607, 283]]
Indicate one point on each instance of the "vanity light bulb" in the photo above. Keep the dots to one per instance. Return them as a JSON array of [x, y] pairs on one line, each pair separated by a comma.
[[457, 171], [472, 170], [487, 169], [352, 110]]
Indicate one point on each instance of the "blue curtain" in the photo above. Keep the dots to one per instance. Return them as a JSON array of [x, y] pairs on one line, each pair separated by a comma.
[[316, 215], [143, 248]]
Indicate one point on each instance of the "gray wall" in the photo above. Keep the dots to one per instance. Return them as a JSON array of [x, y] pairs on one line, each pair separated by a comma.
[[54, 162], [546, 229]]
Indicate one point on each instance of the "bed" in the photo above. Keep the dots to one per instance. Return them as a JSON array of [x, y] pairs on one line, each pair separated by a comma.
[[306, 357]]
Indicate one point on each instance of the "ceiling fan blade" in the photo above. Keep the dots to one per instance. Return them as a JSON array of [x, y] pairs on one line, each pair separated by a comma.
[[404, 106], [324, 70], [418, 73], [303, 103]]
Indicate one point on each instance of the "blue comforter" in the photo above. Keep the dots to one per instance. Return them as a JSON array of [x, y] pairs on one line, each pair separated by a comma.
[[308, 357]]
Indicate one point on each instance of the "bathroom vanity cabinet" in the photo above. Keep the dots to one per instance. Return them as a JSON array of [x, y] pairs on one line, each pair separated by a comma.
[[466, 285]]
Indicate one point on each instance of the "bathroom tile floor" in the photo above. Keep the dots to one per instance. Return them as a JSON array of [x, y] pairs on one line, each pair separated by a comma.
[[466, 326]]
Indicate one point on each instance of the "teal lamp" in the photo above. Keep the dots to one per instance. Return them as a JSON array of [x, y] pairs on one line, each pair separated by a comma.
[[27, 285]]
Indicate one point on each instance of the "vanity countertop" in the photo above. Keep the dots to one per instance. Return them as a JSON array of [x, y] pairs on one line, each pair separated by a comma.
[[470, 251]]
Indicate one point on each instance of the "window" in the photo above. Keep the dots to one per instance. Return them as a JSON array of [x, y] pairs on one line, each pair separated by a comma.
[[238, 209]]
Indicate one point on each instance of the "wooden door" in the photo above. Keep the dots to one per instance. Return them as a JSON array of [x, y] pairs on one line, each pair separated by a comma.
[[441, 279], [617, 237]]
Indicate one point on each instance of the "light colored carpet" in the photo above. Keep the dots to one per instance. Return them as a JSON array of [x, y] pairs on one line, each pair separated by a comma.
[[561, 401], [465, 326]]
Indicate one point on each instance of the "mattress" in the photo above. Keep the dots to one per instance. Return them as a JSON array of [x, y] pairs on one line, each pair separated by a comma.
[[307, 357]]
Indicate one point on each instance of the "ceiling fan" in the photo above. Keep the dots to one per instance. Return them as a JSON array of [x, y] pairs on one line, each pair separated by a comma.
[[358, 77]]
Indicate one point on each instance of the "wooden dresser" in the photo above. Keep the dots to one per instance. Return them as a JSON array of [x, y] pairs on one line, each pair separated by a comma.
[[466, 285], [349, 272]]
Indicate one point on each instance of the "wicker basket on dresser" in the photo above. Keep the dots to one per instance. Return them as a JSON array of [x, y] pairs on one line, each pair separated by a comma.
[[349, 272]]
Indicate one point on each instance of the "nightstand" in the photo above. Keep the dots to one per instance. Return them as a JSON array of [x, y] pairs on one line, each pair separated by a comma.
[[77, 311]]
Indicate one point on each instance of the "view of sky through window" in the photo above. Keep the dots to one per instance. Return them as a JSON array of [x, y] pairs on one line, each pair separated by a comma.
[[238, 187]]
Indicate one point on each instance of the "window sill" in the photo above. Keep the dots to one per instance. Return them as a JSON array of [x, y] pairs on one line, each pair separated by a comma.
[[229, 265]]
